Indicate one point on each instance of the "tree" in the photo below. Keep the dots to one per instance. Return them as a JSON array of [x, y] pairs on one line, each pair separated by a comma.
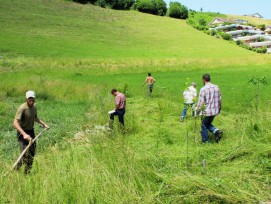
[[121, 4], [146, 6], [156, 7], [257, 81], [161, 7], [177, 10]]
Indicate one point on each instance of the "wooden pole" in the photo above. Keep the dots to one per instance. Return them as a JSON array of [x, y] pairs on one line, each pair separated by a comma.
[[24, 151]]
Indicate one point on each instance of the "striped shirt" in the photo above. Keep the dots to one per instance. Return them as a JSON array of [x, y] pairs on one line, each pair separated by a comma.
[[210, 98]]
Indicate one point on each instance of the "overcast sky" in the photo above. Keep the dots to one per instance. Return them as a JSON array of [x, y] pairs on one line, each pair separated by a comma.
[[240, 7]]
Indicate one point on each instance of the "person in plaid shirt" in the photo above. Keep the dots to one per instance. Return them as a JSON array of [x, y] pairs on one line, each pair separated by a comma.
[[210, 105]]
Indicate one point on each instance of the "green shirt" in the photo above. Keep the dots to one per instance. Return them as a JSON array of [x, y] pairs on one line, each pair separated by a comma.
[[26, 116]]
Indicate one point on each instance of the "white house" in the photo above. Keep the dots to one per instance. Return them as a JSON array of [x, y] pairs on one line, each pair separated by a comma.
[[218, 20], [255, 15], [268, 29], [261, 44]]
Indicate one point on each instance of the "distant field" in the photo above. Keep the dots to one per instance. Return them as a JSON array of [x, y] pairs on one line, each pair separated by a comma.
[[72, 55]]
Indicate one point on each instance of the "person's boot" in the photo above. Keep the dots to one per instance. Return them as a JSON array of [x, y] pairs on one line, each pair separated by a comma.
[[218, 135]]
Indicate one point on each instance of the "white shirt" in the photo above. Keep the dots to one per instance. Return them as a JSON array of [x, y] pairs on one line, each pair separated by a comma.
[[189, 94]]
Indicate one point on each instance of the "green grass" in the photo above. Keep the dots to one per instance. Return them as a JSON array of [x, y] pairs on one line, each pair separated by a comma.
[[52, 49]]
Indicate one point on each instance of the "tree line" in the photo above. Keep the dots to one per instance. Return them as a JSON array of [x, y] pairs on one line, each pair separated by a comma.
[[155, 7]]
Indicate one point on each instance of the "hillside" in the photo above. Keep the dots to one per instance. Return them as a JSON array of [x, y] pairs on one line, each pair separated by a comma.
[[56, 29], [72, 55]]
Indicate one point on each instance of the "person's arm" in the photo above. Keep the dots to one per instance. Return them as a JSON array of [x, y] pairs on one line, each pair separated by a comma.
[[200, 102], [43, 124], [220, 101], [145, 81], [153, 80], [117, 102], [17, 126]]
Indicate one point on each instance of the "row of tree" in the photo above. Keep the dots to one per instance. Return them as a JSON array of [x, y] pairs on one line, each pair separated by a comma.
[[156, 7]]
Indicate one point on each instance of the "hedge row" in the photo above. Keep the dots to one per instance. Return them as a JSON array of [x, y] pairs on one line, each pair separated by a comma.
[[156, 7]]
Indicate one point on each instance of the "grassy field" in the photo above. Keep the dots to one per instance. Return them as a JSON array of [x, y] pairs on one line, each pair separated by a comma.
[[73, 55]]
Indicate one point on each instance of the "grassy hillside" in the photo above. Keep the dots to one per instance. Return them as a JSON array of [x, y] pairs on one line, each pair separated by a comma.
[[57, 29], [73, 55]]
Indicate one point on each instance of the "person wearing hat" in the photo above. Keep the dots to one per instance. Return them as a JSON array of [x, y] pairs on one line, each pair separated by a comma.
[[190, 96], [24, 120]]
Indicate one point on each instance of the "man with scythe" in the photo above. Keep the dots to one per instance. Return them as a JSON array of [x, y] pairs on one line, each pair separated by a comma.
[[24, 120]]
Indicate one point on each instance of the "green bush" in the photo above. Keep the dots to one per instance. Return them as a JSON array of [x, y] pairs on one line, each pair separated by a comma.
[[213, 32], [202, 22], [238, 42], [101, 3], [161, 7], [226, 36], [121, 4], [261, 27], [177, 10], [156, 7]]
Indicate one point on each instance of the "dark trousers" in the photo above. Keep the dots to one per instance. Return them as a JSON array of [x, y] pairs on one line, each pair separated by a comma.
[[28, 157], [120, 113], [207, 125]]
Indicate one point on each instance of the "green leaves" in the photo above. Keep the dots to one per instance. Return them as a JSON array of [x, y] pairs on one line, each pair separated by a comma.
[[258, 80]]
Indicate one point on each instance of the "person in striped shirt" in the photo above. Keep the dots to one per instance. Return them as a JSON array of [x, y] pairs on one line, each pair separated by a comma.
[[210, 104]]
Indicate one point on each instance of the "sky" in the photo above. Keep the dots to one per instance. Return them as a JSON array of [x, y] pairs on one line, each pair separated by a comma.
[[239, 7]]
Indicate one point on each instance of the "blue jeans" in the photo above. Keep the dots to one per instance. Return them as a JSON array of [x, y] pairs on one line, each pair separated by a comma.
[[186, 106], [207, 125]]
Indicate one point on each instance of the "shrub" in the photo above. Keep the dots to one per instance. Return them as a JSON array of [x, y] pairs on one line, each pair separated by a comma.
[[101, 3], [213, 32], [202, 22], [161, 7], [238, 42], [121, 4], [81, 1], [226, 36], [156, 7], [261, 27], [177, 10]]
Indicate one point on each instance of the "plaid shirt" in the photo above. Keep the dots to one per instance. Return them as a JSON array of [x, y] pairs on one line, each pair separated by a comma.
[[210, 97]]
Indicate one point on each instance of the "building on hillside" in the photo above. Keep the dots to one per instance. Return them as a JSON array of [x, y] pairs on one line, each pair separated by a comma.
[[255, 15], [226, 27], [252, 38], [218, 20], [249, 39], [231, 27], [261, 44], [241, 21], [239, 33], [268, 30]]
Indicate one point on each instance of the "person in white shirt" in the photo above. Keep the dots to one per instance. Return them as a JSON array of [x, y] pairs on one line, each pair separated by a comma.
[[190, 95]]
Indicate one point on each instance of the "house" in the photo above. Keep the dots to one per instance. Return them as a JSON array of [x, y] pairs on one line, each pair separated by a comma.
[[268, 29], [241, 21], [239, 33], [255, 15], [218, 20], [249, 39], [261, 44], [226, 27]]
